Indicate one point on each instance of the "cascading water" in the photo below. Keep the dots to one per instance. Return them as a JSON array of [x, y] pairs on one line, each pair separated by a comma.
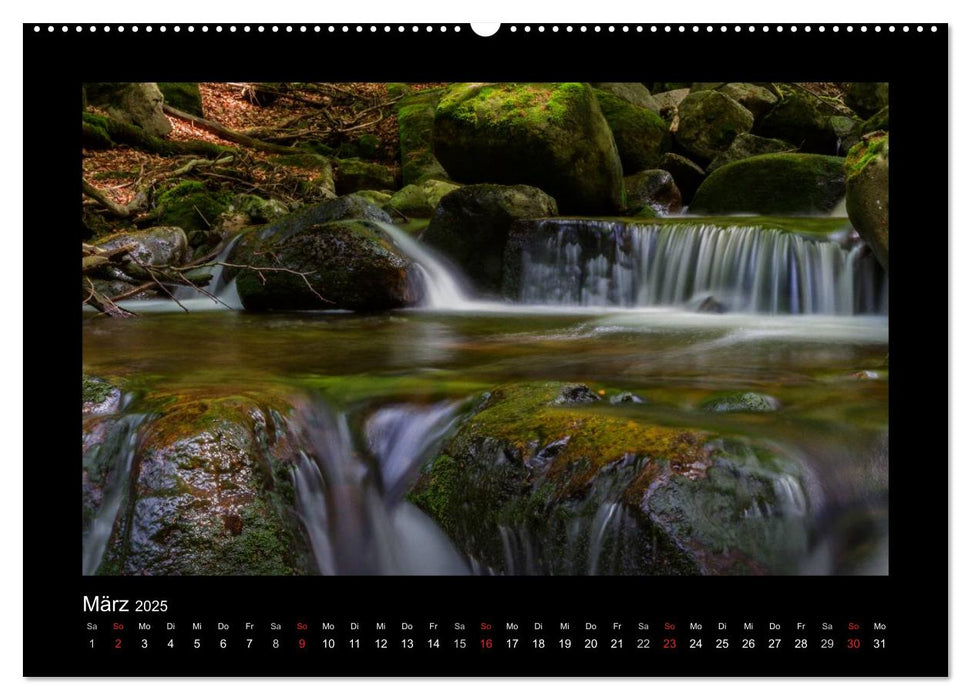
[[353, 523], [726, 268]]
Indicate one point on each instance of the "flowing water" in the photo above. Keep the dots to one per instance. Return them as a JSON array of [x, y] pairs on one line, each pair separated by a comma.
[[806, 324]]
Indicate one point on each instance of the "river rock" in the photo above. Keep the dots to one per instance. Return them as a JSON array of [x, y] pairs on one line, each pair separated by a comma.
[[878, 122], [208, 496], [419, 201], [134, 103], [159, 245], [549, 135], [183, 96], [802, 120], [526, 486], [667, 102], [775, 183], [756, 99], [708, 122], [348, 264], [354, 174], [655, 189], [636, 94], [748, 145], [641, 135], [321, 183], [687, 174], [866, 99], [471, 227], [740, 402], [416, 126], [192, 205], [868, 192]]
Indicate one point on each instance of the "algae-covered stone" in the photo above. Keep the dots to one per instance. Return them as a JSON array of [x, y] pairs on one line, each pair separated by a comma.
[[98, 396], [641, 135], [345, 264], [802, 120], [416, 126], [159, 245], [191, 205], [259, 210], [655, 189], [755, 98], [868, 192], [549, 135], [748, 145], [183, 96], [878, 122], [323, 179], [419, 200], [354, 174], [376, 197], [687, 174], [740, 402], [471, 227], [775, 183], [207, 496], [709, 121], [866, 99], [636, 94], [528, 485]]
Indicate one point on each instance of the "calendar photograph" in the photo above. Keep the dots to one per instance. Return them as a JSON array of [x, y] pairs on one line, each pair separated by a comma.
[[485, 328]]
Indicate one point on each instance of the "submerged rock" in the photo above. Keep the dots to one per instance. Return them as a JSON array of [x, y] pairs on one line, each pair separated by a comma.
[[471, 227], [740, 402], [549, 135], [526, 486], [868, 193], [775, 183]]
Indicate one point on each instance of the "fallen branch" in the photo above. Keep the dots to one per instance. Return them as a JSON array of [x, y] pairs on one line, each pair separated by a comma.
[[228, 134], [121, 211], [103, 304]]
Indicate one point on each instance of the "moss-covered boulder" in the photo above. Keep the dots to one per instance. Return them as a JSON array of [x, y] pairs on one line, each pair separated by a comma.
[[755, 98], [133, 103], [708, 122], [748, 145], [321, 183], [354, 174], [776, 183], [655, 189], [419, 201], [878, 122], [641, 135], [471, 227], [687, 174], [668, 102], [159, 245], [416, 126], [802, 120], [183, 96], [866, 99], [208, 495], [636, 94], [534, 484], [345, 264], [191, 205], [549, 135], [868, 192]]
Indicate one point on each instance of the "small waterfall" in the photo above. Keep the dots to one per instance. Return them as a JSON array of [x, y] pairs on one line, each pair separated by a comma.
[[116, 453], [351, 522], [442, 289], [739, 268], [222, 286]]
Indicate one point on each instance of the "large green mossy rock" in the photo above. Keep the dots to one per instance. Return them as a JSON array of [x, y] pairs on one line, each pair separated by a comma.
[[321, 182], [471, 227], [354, 174], [641, 135], [709, 121], [132, 103], [868, 192], [347, 264], [866, 99], [802, 120], [755, 98], [549, 135], [544, 478], [776, 183], [419, 201], [416, 126], [209, 493], [183, 96], [748, 145], [191, 205]]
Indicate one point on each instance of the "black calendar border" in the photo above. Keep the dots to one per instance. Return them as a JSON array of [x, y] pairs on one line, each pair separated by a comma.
[[913, 599]]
